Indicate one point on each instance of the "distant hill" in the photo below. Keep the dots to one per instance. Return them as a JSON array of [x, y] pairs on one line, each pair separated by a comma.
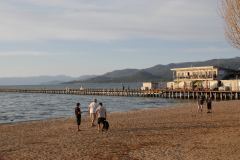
[[138, 76], [160, 72], [121, 73], [40, 80], [164, 70], [155, 73], [116, 76]]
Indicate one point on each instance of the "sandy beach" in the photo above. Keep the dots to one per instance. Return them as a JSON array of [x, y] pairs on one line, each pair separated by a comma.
[[173, 133]]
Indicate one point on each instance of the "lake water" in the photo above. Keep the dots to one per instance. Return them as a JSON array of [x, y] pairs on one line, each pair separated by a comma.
[[135, 85], [15, 107]]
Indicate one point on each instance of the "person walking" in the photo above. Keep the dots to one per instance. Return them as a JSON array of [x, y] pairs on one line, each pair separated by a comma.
[[102, 116], [209, 104], [78, 115], [92, 111], [200, 103]]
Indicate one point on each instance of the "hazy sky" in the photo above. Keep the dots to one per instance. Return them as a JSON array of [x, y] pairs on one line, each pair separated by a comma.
[[78, 37]]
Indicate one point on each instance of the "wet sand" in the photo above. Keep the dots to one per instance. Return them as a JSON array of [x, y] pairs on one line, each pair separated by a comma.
[[174, 133]]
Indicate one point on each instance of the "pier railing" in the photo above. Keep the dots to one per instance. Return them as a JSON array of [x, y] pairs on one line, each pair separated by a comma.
[[162, 93]]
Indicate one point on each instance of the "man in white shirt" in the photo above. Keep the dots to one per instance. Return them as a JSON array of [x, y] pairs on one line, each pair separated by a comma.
[[101, 114], [92, 111]]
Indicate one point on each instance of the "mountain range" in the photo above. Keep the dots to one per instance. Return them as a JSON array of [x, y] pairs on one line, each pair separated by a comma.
[[156, 73], [41, 80], [160, 72]]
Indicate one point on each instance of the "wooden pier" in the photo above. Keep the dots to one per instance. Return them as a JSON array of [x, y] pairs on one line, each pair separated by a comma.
[[176, 94]]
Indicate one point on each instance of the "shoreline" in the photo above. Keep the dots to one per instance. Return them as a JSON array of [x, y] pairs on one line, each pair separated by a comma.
[[86, 114], [174, 132]]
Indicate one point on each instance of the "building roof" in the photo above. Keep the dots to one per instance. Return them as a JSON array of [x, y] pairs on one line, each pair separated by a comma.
[[150, 82], [193, 68]]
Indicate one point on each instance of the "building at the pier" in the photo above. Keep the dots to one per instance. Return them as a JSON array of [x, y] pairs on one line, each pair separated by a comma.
[[205, 78], [150, 85]]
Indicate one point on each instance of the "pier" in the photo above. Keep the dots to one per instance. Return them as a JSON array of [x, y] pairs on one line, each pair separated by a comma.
[[160, 93]]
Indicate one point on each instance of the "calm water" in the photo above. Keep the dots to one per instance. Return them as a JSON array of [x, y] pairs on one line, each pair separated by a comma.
[[134, 85], [15, 107]]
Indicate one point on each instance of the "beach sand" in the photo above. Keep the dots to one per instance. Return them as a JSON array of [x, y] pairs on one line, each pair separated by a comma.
[[174, 133]]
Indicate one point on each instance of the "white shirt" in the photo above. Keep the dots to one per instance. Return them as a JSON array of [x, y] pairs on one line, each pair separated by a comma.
[[92, 107], [101, 112]]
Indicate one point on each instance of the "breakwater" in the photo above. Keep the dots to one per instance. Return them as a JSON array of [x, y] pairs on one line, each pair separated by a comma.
[[161, 93]]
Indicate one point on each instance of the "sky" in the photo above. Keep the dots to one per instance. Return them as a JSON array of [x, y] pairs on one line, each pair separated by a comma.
[[86, 37]]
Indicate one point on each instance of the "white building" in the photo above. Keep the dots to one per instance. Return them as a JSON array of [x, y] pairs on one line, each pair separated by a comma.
[[150, 85], [202, 78]]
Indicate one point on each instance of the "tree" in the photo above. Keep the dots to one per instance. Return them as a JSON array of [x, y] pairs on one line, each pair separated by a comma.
[[231, 14]]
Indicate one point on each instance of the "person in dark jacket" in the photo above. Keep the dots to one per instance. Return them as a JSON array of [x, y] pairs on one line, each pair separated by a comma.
[[78, 115], [209, 104]]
